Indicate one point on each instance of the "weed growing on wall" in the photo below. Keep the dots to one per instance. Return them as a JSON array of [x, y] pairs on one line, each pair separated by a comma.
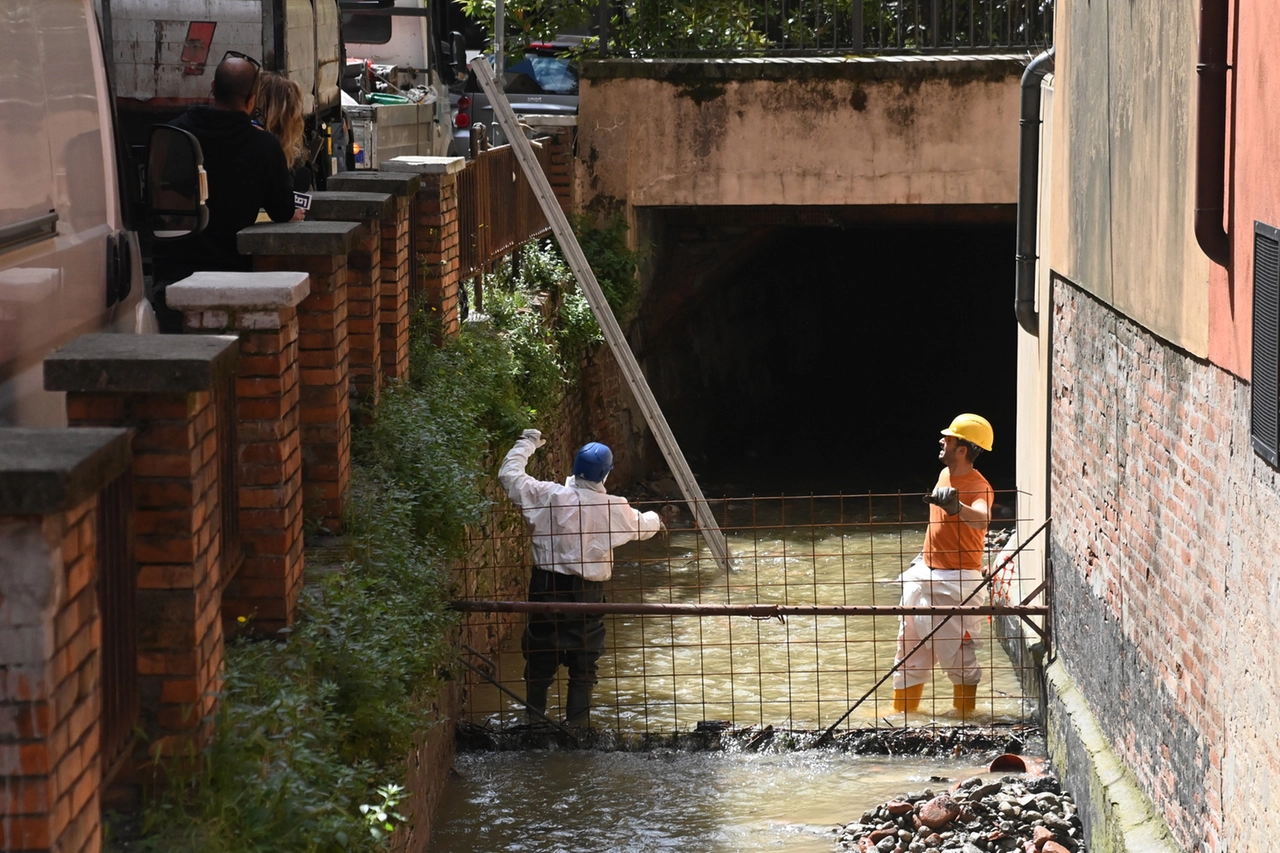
[[548, 352], [314, 725], [614, 263]]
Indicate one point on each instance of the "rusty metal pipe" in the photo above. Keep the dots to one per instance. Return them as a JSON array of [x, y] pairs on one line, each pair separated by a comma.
[[1211, 131], [756, 611], [1024, 305]]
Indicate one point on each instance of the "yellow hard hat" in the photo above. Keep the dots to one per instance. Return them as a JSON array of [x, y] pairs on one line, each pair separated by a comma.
[[974, 429]]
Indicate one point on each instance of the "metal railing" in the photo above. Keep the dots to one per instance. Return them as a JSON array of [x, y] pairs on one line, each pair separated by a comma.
[[733, 28], [224, 402], [117, 602], [497, 210], [801, 634]]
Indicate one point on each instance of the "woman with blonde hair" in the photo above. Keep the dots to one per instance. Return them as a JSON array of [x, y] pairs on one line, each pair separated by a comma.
[[280, 107]]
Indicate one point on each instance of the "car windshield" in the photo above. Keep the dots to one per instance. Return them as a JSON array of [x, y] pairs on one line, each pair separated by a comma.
[[535, 75]]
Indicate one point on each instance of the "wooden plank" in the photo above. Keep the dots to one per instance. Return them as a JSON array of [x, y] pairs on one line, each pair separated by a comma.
[[636, 381]]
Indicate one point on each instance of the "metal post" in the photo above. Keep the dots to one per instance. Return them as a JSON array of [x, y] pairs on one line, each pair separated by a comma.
[[857, 26], [636, 381], [602, 13], [499, 27]]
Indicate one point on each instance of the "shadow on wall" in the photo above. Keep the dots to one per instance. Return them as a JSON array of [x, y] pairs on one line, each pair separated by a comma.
[[830, 358]]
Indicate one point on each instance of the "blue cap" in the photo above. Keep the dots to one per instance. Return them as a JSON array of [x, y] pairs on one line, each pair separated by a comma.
[[593, 462]]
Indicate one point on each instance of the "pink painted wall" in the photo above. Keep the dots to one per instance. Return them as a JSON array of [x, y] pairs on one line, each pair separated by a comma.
[[1253, 176]]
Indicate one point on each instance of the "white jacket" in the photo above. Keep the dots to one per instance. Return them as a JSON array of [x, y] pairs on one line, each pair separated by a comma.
[[575, 526]]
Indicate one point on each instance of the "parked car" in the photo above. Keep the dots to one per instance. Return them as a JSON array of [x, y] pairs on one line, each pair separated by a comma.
[[543, 82]]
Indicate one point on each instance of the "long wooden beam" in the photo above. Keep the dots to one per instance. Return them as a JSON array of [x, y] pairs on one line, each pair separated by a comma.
[[604, 314]]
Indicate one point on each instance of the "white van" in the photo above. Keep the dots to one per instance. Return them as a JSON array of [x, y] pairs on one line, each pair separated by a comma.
[[69, 260]]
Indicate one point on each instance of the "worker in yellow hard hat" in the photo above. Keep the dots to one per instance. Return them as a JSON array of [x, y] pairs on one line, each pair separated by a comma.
[[948, 571]]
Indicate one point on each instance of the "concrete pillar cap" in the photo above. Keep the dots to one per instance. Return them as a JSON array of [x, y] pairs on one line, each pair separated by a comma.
[[141, 364], [299, 238], [425, 165], [239, 290], [49, 470], [402, 184], [347, 206]]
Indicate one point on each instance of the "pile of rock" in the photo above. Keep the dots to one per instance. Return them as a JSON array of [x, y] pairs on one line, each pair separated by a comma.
[[1014, 813]]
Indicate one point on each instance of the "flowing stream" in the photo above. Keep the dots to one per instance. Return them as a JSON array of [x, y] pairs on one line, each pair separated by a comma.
[[709, 802], [663, 674]]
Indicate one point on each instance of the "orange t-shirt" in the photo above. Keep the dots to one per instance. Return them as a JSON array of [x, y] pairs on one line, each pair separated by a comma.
[[949, 543]]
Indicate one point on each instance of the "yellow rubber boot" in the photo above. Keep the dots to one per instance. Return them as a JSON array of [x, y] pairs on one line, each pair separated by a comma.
[[965, 698], [908, 698]]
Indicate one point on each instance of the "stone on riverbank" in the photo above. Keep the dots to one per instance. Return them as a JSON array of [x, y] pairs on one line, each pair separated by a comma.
[[1019, 814]]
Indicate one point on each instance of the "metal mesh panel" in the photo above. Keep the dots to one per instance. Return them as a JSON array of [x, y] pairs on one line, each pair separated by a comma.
[[1266, 343], [804, 625]]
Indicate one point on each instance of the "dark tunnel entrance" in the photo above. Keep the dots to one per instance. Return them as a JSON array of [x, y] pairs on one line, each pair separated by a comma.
[[823, 354]]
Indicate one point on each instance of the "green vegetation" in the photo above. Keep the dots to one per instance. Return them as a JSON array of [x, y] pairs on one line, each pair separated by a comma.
[[674, 28], [605, 245], [314, 726]]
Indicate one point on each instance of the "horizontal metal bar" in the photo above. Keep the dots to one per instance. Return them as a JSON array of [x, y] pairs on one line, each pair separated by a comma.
[[28, 230], [396, 12], [758, 611]]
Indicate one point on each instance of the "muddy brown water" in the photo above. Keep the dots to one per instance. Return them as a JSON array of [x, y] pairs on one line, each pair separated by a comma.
[[708, 802], [665, 675]]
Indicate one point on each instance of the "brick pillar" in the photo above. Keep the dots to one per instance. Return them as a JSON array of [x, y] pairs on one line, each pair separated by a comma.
[[394, 302], [560, 132], [437, 216], [51, 634], [319, 249], [364, 281], [172, 390], [261, 308]]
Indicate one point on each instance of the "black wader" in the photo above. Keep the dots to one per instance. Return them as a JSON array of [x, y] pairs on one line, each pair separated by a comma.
[[551, 639]]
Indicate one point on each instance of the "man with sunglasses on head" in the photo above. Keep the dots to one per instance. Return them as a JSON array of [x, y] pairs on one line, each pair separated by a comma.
[[247, 173]]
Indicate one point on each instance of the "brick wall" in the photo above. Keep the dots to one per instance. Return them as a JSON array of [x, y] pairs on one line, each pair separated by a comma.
[[394, 302], [177, 545], [364, 324], [438, 248], [50, 765], [265, 589], [1166, 527], [560, 173], [609, 414], [323, 359]]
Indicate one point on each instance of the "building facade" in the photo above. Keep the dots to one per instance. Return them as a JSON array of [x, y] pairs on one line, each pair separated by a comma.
[[1145, 402]]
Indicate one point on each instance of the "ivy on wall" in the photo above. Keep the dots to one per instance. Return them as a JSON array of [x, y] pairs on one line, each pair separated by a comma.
[[313, 726]]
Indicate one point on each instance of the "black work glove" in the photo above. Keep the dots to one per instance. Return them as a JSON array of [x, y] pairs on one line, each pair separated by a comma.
[[945, 497]]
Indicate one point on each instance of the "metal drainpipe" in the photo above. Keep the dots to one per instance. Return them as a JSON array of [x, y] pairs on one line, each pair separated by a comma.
[[1024, 305], [1211, 131]]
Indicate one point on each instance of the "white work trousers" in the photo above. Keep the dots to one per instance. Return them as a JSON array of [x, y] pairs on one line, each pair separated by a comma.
[[956, 644]]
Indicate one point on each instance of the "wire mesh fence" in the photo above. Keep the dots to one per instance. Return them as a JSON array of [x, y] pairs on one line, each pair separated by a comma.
[[803, 627]]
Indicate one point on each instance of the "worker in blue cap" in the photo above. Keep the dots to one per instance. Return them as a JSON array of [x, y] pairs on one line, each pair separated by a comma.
[[576, 526]]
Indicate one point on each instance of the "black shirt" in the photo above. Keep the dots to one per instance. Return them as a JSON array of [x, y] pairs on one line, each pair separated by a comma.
[[247, 172]]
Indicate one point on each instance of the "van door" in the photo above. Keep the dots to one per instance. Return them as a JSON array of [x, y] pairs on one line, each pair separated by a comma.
[[60, 219]]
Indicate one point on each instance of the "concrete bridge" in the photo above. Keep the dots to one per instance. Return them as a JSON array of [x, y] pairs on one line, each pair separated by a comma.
[[904, 130], [805, 218]]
